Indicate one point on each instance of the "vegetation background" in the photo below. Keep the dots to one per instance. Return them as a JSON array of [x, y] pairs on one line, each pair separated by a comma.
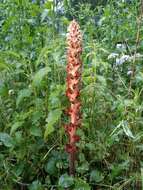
[[32, 95]]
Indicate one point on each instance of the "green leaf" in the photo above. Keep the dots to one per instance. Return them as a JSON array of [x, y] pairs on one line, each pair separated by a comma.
[[36, 185], [48, 4], [18, 169], [116, 169], [3, 90], [50, 167], [53, 117], [37, 115], [96, 176], [142, 176], [127, 131], [6, 140], [15, 126], [84, 167], [81, 185], [3, 65], [66, 181], [39, 76], [49, 130], [25, 93], [90, 146], [44, 14], [36, 131]]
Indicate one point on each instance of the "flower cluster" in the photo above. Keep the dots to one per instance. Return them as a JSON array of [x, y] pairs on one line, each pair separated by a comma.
[[74, 39]]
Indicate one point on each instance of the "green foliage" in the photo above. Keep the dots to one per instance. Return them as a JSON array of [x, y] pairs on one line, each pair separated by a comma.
[[53, 117], [6, 140], [37, 79], [66, 181], [32, 95]]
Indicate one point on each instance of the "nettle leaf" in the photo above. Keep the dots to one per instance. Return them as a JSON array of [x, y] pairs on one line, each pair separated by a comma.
[[53, 116], [44, 52], [18, 168], [118, 168], [66, 181], [84, 167], [50, 167], [6, 140], [49, 130], [81, 185], [96, 176], [36, 185], [15, 126], [25, 93], [52, 119], [39, 76], [36, 131], [36, 116], [56, 92]]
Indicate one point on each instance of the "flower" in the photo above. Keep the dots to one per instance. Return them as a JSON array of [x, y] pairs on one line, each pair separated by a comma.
[[73, 80], [129, 72], [122, 59], [121, 46], [11, 92], [113, 55]]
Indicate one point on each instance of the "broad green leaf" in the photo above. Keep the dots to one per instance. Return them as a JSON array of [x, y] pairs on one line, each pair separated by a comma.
[[66, 181], [36, 116], [36, 185], [44, 52], [49, 130], [36, 131], [96, 176], [90, 146], [50, 167], [6, 140], [84, 167], [81, 185], [118, 168], [39, 76], [53, 117], [15, 126], [25, 93], [18, 169]]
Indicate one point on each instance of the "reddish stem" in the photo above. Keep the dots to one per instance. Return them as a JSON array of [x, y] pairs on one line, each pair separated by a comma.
[[72, 163]]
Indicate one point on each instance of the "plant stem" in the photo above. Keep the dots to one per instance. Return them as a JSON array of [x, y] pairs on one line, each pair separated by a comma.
[[72, 163]]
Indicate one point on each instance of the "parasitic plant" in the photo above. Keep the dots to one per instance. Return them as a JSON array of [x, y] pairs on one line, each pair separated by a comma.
[[73, 81]]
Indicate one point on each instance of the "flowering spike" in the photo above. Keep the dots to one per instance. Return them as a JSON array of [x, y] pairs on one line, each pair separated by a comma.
[[74, 41]]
